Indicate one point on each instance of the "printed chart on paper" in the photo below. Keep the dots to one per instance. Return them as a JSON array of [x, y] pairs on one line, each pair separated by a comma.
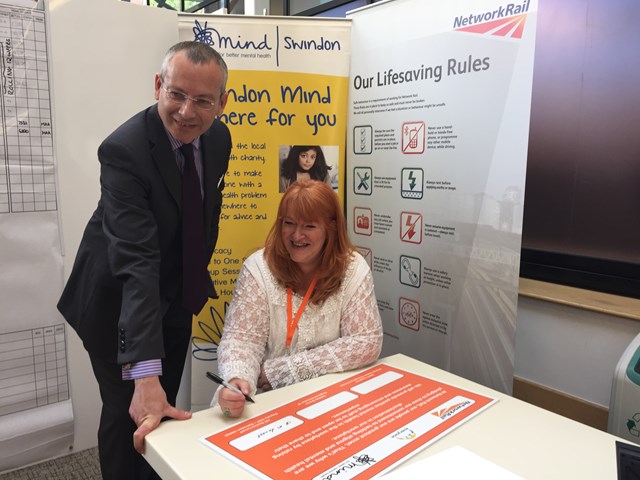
[[33, 370], [27, 181], [33, 360]]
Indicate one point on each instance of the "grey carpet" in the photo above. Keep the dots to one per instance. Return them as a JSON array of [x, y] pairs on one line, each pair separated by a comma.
[[82, 465]]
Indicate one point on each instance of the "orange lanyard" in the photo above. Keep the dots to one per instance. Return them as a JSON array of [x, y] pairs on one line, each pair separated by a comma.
[[292, 323]]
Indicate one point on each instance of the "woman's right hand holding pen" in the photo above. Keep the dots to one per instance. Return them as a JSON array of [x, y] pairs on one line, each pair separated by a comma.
[[232, 403]]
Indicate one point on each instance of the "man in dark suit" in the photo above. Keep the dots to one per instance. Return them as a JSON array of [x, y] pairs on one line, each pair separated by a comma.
[[127, 297]]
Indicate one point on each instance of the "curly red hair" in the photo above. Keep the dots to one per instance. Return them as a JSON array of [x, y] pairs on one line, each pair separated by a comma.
[[311, 201]]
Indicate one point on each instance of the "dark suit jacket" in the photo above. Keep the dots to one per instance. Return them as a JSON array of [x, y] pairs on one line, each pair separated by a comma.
[[128, 269]]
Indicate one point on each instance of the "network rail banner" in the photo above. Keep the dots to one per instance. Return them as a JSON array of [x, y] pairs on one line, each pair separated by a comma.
[[288, 83], [439, 102]]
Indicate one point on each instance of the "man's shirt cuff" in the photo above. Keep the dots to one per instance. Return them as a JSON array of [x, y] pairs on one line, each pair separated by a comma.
[[146, 368]]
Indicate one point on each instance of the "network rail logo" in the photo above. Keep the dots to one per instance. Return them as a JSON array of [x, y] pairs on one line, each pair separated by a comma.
[[505, 21], [451, 410]]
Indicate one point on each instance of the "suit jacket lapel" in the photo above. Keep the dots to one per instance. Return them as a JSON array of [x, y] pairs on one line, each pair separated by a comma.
[[163, 156]]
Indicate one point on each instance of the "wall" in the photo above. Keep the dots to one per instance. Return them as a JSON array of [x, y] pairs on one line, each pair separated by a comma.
[[570, 350], [103, 58]]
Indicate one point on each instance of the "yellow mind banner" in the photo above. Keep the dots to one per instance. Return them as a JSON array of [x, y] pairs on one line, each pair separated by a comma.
[[287, 89], [312, 112]]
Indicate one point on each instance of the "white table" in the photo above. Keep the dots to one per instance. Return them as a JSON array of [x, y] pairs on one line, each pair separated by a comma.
[[527, 440]]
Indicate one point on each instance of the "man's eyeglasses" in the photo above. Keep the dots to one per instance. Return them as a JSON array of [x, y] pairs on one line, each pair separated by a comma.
[[181, 98]]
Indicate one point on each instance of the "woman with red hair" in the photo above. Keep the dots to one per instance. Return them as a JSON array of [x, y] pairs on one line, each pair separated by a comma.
[[303, 306]]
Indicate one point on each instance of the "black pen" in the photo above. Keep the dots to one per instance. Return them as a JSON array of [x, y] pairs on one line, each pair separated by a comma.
[[215, 378]]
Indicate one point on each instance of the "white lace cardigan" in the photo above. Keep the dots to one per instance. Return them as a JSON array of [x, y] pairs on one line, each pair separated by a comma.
[[342, 333]]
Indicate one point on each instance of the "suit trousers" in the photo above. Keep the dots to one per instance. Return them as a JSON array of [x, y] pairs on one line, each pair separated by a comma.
[[118, 459]]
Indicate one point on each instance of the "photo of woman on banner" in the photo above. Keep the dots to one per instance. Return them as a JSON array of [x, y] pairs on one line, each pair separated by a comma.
[[303, 306], [305, 162]]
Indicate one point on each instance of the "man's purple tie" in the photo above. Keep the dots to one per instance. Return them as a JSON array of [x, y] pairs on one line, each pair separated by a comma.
[[195, 275]]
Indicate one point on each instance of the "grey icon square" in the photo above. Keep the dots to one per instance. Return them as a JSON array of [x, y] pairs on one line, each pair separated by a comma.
[[362, 139], [362, 180], [412, 184]]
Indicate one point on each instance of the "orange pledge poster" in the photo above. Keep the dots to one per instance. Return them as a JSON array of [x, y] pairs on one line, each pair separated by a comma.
[[355, 429]]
